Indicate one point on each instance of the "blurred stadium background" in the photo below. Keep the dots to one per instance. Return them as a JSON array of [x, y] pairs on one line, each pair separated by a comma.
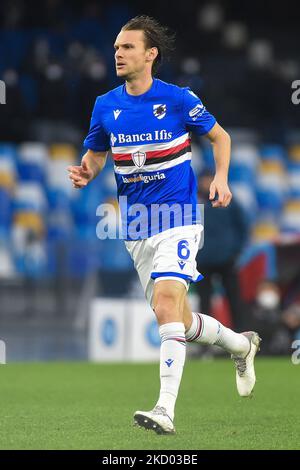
[[55, 58]]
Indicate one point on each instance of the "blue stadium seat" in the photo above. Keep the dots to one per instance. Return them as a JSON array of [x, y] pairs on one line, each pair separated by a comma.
[[31, 172], [273, 152], [33, 262], [270, 199], [32, 162], [85, 230], [8, 150], [28, 245], [294, 179], [85, 204], [246, 196], [57, 199], [245, 154], [208, 156], [5, 236], [108, 184], [30, 196], [5, 208], [242, 174], [60, 225], [290, 218], [115, 256], [83, 259]]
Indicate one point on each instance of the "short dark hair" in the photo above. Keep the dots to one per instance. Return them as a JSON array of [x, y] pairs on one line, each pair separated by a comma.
[[155, 34]]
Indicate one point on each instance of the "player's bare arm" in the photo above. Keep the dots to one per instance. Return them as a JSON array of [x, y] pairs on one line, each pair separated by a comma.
[[91, 165], [221, 143]]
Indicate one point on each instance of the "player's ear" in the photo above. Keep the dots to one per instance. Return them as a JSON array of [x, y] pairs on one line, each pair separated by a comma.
[[152, 53]]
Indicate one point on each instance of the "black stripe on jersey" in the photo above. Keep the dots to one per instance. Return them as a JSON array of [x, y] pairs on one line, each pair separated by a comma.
[[150, 161]]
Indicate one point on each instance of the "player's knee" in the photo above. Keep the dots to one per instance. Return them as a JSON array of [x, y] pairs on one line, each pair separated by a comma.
[[167, 309]]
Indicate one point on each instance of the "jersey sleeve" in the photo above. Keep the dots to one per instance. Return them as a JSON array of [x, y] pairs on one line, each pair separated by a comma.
[[196, 118], [97, 139]]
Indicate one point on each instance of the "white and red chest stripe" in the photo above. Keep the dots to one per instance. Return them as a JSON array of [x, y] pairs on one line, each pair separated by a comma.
[[153, 156]]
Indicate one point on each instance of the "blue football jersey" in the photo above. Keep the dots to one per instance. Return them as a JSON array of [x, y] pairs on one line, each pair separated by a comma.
[[149, 138]]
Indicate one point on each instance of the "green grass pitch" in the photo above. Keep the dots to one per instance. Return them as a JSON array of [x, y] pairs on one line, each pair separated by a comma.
[[90, 406]]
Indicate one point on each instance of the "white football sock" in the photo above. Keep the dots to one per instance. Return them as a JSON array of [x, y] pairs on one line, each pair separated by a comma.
[[172, 358], [207, 330]]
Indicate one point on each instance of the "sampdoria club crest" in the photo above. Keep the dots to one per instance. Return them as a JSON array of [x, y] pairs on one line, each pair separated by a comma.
[[159, 110], [138, 158]]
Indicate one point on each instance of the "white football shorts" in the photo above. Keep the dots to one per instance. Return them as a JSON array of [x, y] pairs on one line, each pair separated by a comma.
[[170, 254]]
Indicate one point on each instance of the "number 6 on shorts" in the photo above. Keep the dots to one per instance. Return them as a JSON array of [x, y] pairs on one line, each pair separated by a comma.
[[183, 249]]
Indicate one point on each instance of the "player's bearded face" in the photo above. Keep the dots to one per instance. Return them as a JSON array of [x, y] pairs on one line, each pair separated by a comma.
[[130, 54]]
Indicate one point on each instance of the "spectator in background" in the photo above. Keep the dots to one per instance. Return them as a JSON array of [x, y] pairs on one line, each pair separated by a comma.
[[14, 113], [291, 319], [53, 92], [93, 82], [225, 236], [266, 313]]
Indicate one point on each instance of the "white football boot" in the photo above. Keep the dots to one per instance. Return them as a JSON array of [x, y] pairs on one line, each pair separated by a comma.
[[245, 373], [156, 419]]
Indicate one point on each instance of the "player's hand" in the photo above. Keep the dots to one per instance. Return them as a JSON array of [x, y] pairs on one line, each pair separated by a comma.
[[219, 187], [80, 175]]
